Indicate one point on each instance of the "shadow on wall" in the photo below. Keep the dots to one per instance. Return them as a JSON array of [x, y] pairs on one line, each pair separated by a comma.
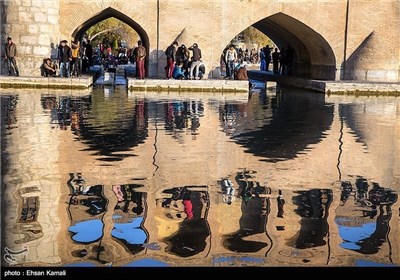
[[216, 73], [3, 16], [161, 58], [355, 61], [160, 61]]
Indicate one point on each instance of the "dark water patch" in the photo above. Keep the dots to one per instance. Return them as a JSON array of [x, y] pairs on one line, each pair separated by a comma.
[[294, 122], [313, 207], [253, 219], [189, 206]]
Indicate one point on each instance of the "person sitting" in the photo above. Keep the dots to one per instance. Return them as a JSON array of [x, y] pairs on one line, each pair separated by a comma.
[[178, 73], [199, 69], [241, 73], [47, 69]]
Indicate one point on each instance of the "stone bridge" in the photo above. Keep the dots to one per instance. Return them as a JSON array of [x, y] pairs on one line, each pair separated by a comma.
[[332, 39]]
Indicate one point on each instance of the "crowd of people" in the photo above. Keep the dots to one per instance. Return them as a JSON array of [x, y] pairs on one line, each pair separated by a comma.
[[234, 58], [68, 61], [181, 62]]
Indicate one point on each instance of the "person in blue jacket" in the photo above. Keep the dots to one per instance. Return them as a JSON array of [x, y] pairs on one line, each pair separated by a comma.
[[178, 73]]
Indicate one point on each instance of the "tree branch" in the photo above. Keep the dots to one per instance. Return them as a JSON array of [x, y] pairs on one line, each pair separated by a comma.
[[103, 31]]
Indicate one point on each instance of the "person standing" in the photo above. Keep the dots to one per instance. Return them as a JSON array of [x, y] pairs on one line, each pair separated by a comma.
[[262, 60], [230, 58], [182, 56], [89, 53], [196, 60], [275, 61], [76, 60], [65, 57], [140, 55], [170, 52], [267, 51], [11, 53]]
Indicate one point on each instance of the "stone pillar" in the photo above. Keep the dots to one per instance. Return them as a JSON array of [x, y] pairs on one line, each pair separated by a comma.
[[34, 27]]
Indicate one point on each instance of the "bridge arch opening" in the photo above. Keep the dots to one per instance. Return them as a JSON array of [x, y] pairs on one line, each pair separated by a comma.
[[113, 13], [313, 56]]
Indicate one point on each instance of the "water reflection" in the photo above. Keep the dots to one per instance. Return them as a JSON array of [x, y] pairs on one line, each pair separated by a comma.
[[129, 217], [281, 129], [254, 216], [280, 202], [181, 115], [86, 207], [195, 156], [108, 126], [363, 220], [184, 210], [27, 226], [313, 207], [9, 107]]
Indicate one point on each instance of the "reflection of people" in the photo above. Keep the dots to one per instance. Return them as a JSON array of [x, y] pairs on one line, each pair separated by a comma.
[[187, 203], [125, 195], [74, 200], [346, 190], [246, 194], [180, 202], [76, 182], [187, 209], [228, 192], [118, 193], [281, 202]]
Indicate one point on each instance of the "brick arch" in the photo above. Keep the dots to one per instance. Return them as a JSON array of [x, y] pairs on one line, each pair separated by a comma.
[[314, 56], [108, 13]]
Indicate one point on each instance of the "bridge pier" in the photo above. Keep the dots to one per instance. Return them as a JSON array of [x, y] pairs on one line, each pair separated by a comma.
[[34, 27]]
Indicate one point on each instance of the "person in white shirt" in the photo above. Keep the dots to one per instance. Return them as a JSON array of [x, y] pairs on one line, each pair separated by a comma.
[[230, 58]]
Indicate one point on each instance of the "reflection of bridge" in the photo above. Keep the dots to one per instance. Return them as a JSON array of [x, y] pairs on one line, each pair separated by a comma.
[[332, 39], [207, 155]]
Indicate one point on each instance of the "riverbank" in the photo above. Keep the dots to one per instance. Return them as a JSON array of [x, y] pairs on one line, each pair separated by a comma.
[[330, 87], [156, 85], [206, 85], [83, 82], [133, 84]]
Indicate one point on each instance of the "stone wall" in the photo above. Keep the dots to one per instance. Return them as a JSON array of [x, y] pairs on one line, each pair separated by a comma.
[[373, 48], [34, 27]]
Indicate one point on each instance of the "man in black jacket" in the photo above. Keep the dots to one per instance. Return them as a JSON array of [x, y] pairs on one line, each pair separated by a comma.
[[170, 52], [65, 57]]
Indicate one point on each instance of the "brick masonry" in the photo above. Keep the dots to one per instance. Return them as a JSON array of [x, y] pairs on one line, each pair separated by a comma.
[[315, 28]]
